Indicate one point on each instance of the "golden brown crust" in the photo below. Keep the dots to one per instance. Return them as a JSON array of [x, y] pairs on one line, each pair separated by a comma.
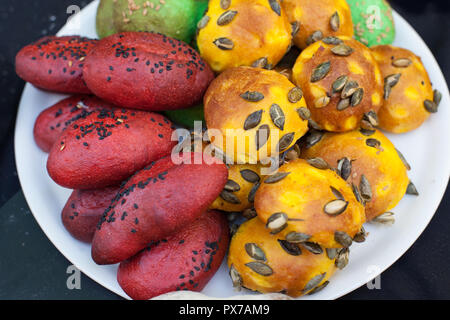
[[315, 15], [256, 31], [404, 109], [302, 195], [226, 109], [381, 166], [359, 66], [290, 273], [237, 195]]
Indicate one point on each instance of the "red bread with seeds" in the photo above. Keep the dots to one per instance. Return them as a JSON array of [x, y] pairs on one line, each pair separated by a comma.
[[52, 121], [55, 63], [83, 211], [148, 71], [185, 261], [155, 203], [106, 147]]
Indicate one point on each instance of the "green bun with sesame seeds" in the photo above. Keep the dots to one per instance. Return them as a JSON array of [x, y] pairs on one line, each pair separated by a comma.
[[174, 18], [104, 20], [372, 21], [186, 117]]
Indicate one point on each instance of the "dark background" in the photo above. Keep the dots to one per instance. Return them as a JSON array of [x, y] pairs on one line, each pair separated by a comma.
[[32, 268]]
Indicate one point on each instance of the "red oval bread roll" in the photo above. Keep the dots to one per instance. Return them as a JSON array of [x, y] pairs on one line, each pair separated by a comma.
[[52, 121], [55, 63], [106, 147], [188, 259], [148, 71], [83, 210]]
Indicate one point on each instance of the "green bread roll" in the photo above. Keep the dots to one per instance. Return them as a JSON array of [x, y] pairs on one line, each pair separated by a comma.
[[104, 23], [186, 117], [372, 21], [174, 18]]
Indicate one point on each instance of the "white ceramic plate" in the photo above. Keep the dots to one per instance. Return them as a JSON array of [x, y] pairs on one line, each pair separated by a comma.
[[427, 149]]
